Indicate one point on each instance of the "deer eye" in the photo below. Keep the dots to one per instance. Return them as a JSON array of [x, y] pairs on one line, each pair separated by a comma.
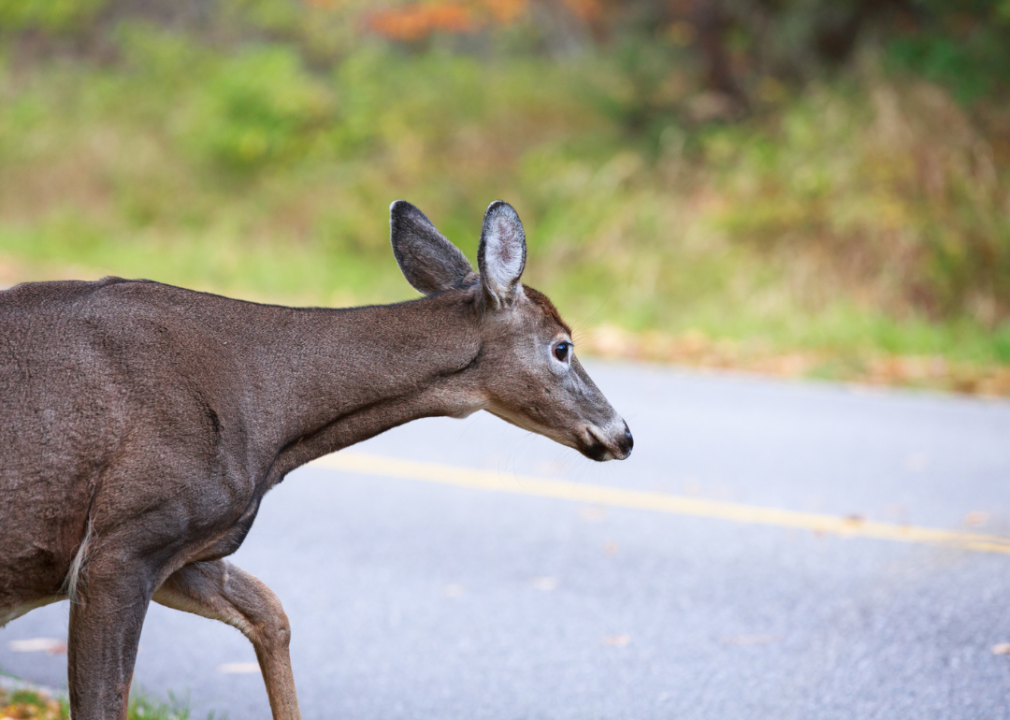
[[561, 351]]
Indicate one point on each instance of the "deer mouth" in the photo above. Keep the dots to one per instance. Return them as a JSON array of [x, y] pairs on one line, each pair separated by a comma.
[[594, 448], [589, 441]]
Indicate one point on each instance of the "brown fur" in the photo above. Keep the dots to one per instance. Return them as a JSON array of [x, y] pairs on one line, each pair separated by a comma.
[[544, 303]]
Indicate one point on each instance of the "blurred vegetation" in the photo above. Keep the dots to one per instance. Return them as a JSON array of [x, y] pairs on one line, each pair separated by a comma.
[[33, 704], [814, 175], [18, 704]]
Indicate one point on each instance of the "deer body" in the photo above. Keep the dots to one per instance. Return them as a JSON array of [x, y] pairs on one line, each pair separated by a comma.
[[141, 424]]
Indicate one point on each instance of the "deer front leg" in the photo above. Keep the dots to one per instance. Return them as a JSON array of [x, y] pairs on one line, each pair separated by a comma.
[[226, 592], [106, 617]]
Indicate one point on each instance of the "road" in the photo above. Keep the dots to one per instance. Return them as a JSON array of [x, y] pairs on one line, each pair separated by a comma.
[[656, 588]]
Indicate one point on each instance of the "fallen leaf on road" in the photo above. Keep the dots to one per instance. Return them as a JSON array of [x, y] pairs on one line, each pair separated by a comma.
[[550, 468], [545, 583], [49, 645], [748, 639], [1001, 649], [976, 518], [610, 548], [617, 640], [592, 513], [917, 462], [242, 668]]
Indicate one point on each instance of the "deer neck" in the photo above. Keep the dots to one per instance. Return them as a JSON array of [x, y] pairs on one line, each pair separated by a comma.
[[338, 377]]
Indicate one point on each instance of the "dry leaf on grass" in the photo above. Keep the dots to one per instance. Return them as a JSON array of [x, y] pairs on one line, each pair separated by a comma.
[[695, 349], [29, 705]]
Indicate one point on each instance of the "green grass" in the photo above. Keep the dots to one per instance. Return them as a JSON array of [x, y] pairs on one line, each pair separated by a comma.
[[865, 214], [144, 708], [29, 703]]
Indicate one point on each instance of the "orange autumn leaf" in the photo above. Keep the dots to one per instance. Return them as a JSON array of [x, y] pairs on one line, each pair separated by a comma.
[[413, 22]]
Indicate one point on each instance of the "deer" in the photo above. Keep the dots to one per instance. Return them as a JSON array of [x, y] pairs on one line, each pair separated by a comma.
[[141, 424]]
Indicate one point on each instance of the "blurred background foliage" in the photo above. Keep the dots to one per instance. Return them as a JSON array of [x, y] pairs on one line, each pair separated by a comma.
[[821, 176]]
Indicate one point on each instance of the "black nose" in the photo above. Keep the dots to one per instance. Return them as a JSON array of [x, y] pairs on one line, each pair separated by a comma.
[[627, 442]]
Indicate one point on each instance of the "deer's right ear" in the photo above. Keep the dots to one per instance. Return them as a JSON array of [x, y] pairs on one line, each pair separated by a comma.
[[426, 258], [501, 255]]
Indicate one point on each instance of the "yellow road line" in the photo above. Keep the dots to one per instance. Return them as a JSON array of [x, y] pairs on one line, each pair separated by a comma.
[[641, 500]]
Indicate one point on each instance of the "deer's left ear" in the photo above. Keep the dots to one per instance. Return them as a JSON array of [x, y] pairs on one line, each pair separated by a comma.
[[502, 254]]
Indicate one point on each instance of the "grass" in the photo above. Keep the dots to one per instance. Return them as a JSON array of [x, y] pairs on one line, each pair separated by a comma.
[[865, 217], [31, 704], [20, 704]]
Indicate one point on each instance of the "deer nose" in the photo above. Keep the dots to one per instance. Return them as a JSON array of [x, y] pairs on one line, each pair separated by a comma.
[[627, 442]]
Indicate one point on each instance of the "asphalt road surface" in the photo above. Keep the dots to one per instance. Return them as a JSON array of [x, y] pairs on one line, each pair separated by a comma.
[[768, 551]]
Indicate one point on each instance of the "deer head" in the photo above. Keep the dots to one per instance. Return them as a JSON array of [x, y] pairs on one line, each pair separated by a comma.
[[526, 371]]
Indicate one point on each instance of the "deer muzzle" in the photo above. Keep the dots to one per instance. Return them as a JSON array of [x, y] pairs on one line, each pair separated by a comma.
[[614, 442]]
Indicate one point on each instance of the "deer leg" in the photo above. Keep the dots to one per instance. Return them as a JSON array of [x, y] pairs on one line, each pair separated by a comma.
[[222, 591], [105, 622]]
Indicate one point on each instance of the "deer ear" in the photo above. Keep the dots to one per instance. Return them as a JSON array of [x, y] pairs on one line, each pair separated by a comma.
[[502, 253], [426, 258]]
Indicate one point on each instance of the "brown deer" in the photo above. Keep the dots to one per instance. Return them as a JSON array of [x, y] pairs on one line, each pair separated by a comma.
[[141, 424]]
